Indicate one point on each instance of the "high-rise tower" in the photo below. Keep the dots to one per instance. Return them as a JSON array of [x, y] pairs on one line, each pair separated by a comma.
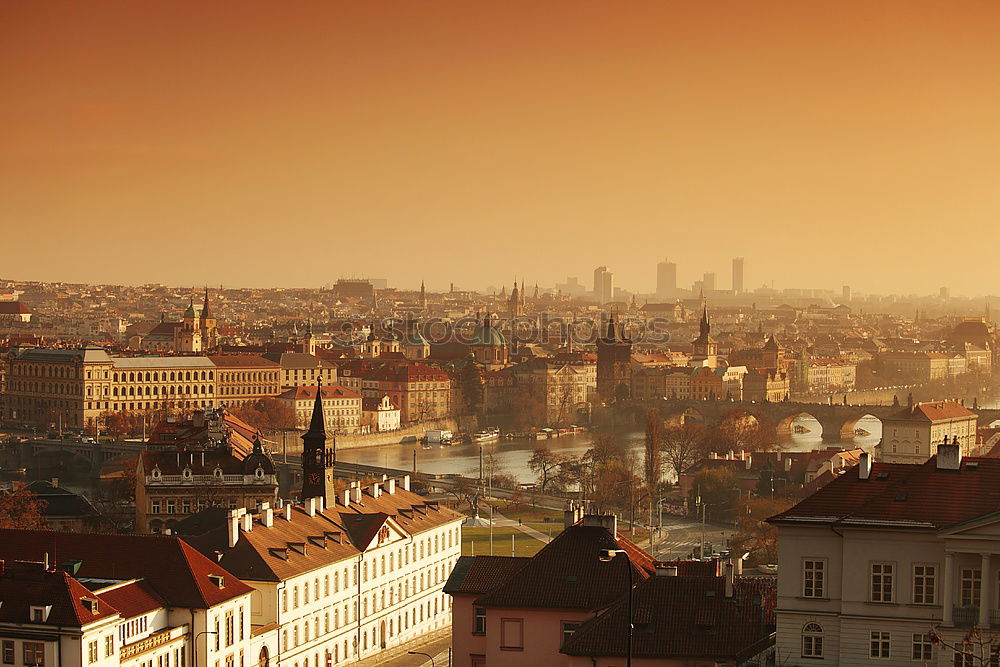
[[318, 460], [737, 275], [666, 279]]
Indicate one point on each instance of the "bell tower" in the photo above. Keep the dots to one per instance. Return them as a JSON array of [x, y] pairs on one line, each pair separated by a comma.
[[318, 461]]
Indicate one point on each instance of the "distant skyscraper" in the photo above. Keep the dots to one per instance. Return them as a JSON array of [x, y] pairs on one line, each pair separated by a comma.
[[944, 293], [847, 293], [708, 282], [737, 275], [604, 286], [666, 279]]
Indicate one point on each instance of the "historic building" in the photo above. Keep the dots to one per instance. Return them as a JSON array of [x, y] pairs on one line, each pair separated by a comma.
[[341, 406], [762, 385], [488, 345], [242, 379], [564, 386], [614, 362], [197, 331], [88, 600], [422, 392], [341, 576], [301, 368], [380, 414], [913, 434], [705, 351], [212, 459], [892, 563]]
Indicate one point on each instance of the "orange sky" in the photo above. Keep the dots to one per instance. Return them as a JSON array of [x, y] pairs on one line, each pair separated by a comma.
[[267, 143]]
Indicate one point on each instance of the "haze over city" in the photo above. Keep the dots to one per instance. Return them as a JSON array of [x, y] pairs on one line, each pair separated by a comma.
[[829, 142]]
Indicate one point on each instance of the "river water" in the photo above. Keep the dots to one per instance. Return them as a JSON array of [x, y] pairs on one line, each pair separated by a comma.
[[512, 455]]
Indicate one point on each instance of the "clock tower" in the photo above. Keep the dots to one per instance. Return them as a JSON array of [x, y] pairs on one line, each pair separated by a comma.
[[317, 460]]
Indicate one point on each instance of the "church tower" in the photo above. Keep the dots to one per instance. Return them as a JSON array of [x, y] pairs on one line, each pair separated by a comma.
[[614, 363], [188, 337], [705, 349], [209, 327], [423, 297], [309, 341], [515, 305], [318, 461]]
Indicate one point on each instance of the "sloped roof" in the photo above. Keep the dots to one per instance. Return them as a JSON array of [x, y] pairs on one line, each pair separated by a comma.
[[175, 570], [904, 495], [25, 585], [933, 411], [683, 617], [133, 599], [568, 573], [481, 574]]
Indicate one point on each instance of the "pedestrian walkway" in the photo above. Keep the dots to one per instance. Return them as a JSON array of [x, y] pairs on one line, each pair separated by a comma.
[[501, 520], [436, 644]]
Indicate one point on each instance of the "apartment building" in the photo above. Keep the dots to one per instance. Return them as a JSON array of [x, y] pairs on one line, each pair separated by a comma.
[[913, 434]]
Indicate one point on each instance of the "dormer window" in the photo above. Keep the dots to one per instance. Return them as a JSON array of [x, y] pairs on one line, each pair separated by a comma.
[[156, 472], [90, 604], [217, 472], [218, 580], [186, 472], [259, 473], [39, 613]]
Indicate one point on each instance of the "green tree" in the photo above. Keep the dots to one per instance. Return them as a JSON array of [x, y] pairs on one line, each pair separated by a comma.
[[718, 490], [471, 383]]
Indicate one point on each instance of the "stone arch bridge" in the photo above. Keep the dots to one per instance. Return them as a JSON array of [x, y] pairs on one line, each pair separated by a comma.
[[838, 420], [94, 455]]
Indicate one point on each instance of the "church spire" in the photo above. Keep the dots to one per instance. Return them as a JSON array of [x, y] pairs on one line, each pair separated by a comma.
[[317, 461], [205, 312]]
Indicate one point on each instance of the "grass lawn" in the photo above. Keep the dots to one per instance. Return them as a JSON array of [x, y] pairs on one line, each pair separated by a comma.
[[524, 545]]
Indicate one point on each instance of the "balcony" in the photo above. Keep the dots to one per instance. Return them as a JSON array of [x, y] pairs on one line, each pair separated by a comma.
[[966, 617]]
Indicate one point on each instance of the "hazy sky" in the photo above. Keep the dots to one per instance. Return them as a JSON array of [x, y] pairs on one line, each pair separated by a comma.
[[290, 143]]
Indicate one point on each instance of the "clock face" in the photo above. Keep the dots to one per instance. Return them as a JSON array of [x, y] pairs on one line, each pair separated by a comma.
[[314, 478]]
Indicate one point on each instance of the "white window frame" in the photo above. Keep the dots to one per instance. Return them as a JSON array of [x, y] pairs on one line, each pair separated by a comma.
[[927, 594], [885, 570], [815, 641], [879, 645], [809, 566]]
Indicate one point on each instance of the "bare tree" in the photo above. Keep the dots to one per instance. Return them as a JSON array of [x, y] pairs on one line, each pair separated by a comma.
[[546, 464], [683, 445]]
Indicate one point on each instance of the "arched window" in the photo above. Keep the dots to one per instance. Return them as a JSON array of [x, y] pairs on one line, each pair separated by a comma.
[[262, 661], [172, 376], [812, 641]]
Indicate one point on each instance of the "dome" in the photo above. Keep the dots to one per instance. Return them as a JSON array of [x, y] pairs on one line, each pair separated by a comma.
[[487, 335]]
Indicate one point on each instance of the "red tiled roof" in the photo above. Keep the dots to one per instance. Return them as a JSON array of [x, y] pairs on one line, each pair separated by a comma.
[[24, 585], [904, 495], [175, 570], [133, 599], [684, 617]]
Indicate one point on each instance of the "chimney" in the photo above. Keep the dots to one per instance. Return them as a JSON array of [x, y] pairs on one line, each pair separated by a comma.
[[347, 497], [55, 482], [320, 503], [375, 490], [739, 566], [743, 454], [749, 461], [267, 515], [406, 482], [311, 507], [288, 511], [391, 489], [713, 455], [731, 455], [356, 494], [247, 522], [609, 521], [949, 455], [663, 570], [569, 516], [730, 579], [865, 466], [234, 528]]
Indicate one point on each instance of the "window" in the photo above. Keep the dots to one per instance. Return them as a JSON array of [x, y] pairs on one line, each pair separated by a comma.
[[34, 654], [813, 578], [511, 633], [479, 621], [922, 647], [8, 651], [92, 652], [879, 645], [923, 584], [971, 584], [882, 574], [812, 641], [568, 628], [229, 628], [109, 646]]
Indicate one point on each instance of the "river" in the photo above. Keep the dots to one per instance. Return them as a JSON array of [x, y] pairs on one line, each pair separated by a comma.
[[512, 455]]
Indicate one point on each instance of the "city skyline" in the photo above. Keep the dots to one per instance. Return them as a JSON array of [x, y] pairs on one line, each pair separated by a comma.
[[838, 140]]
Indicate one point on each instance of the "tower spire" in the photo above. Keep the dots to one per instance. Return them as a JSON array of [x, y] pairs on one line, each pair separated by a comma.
[[317, 461]]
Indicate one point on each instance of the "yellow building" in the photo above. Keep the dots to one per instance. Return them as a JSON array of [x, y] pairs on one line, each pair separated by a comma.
[[913, 434]]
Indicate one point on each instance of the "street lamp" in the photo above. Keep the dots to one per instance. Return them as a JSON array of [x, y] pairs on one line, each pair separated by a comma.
[[428, 655], [194, 653], [606, 556]]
